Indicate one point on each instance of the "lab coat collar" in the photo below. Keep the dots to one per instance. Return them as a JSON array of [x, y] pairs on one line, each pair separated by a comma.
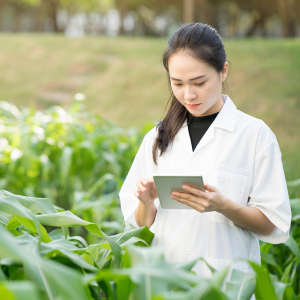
[[227, 115], [225, 120]]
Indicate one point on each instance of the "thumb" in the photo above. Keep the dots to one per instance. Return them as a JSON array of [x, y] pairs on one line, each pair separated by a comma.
[[210, 188]]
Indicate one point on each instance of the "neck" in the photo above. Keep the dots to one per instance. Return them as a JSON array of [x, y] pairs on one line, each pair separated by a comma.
[[214, 109]]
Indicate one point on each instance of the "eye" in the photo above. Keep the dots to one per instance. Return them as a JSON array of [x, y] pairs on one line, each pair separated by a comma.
[[200, 83], [178, 84]]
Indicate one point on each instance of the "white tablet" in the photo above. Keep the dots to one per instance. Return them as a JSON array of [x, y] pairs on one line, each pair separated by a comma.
[[165, 184]]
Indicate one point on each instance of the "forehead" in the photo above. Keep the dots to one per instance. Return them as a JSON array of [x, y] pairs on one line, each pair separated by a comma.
[[184, 66]]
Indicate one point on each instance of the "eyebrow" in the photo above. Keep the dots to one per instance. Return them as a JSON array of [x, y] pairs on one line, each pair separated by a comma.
[[190, 79]]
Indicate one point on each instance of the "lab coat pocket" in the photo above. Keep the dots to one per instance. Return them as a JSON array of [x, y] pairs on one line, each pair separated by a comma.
[[230, 184]]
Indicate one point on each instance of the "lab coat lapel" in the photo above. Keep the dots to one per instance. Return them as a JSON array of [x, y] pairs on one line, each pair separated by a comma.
[[184, 136], [207, 137]]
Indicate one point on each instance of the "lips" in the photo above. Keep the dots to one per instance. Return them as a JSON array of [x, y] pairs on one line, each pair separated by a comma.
[[193, 105]]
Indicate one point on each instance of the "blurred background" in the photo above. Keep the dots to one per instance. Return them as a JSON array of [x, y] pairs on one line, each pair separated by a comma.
[[236, 18], [82, 81]]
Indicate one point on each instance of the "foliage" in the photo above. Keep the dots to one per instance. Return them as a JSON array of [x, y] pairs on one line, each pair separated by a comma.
[[36, 264], [79, 161], [138, 90], [76, 159]]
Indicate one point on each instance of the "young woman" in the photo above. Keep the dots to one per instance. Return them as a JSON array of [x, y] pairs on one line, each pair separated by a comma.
[[203, 133]]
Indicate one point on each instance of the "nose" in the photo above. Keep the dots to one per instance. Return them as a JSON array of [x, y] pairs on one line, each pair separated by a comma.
[[189, 94]]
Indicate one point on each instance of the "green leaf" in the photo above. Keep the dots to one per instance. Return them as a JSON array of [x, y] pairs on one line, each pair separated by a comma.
[[94, 250], [124, 288], [151, 274], [279, 289], [293, 245], [4, 220], [65, 163], [116, 249], [24, 216], [39, 205], [55, 278], [293, 183], [62, 219], [285, 276], [68, 219], [18, 290], [186, 265], [269, 259], [2, 276], [79, 239], [264, 288], [99, 183], [36, 228], [240, 286], [66, 232], [295, 207], [13, 223]]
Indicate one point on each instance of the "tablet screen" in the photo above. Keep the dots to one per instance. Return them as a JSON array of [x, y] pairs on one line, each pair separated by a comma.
[[165, 184]]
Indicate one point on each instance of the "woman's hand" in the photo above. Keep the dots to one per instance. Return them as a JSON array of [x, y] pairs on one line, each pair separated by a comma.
[[210, 200], [146, 190]]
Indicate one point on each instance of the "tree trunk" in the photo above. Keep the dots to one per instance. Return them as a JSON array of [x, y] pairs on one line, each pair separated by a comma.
[[188, 11], [122, 11], [17, 17], [38, 24], [288, 18], [206, 13], [52, 12], [251, 30]]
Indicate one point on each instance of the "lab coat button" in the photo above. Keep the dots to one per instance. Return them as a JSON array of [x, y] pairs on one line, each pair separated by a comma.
[[192, 165], [185, 250]]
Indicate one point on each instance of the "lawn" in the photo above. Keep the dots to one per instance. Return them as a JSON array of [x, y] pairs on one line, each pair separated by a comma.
[[124, 80]]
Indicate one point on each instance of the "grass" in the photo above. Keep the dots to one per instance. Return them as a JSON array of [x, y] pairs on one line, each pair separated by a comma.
[[124, 80]]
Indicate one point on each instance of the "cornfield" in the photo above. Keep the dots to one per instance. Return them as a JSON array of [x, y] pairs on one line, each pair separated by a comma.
[[62, 231]]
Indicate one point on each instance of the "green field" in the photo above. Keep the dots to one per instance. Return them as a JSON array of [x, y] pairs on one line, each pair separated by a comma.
[[124, 80]]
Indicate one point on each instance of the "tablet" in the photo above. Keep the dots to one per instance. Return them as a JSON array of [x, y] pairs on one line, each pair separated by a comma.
[[165, 184]]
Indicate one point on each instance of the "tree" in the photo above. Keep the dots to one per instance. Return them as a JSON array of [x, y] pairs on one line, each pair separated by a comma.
[[287, 12], [188, 11]]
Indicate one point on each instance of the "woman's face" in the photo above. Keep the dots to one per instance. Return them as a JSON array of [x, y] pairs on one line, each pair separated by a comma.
[[196, 84]]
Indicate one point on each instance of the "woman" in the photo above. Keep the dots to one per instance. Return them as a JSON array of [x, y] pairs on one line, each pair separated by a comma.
[[203, 133]]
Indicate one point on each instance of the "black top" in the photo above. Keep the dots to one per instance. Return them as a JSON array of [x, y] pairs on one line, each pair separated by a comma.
[[198, 126]]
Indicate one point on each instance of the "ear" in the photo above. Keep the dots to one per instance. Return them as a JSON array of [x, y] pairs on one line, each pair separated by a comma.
[[225, 71]]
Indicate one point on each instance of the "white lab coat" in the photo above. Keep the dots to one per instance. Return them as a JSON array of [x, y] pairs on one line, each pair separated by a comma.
[[239, 155]]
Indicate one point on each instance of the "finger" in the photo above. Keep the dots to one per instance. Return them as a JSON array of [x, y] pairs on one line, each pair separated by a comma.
[[188, 197], [151, 182], [136, 193], [210, 188], [193, 205], [192, 198], [143, 181], [195, 191], [141, 187]]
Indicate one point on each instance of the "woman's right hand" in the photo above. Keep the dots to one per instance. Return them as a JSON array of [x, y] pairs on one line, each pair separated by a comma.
[[146, 191]]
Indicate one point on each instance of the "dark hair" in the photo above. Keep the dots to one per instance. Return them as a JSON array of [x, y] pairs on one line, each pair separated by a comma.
[[202, 42]]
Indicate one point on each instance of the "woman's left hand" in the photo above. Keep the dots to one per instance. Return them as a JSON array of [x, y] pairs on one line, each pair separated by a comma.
[[210, 200]]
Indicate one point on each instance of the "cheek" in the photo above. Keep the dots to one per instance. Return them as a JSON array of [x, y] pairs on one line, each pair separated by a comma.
[[178, 93]]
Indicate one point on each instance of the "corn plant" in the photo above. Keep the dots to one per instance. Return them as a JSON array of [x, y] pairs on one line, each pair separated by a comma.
[[41, 260], [76, 159]]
